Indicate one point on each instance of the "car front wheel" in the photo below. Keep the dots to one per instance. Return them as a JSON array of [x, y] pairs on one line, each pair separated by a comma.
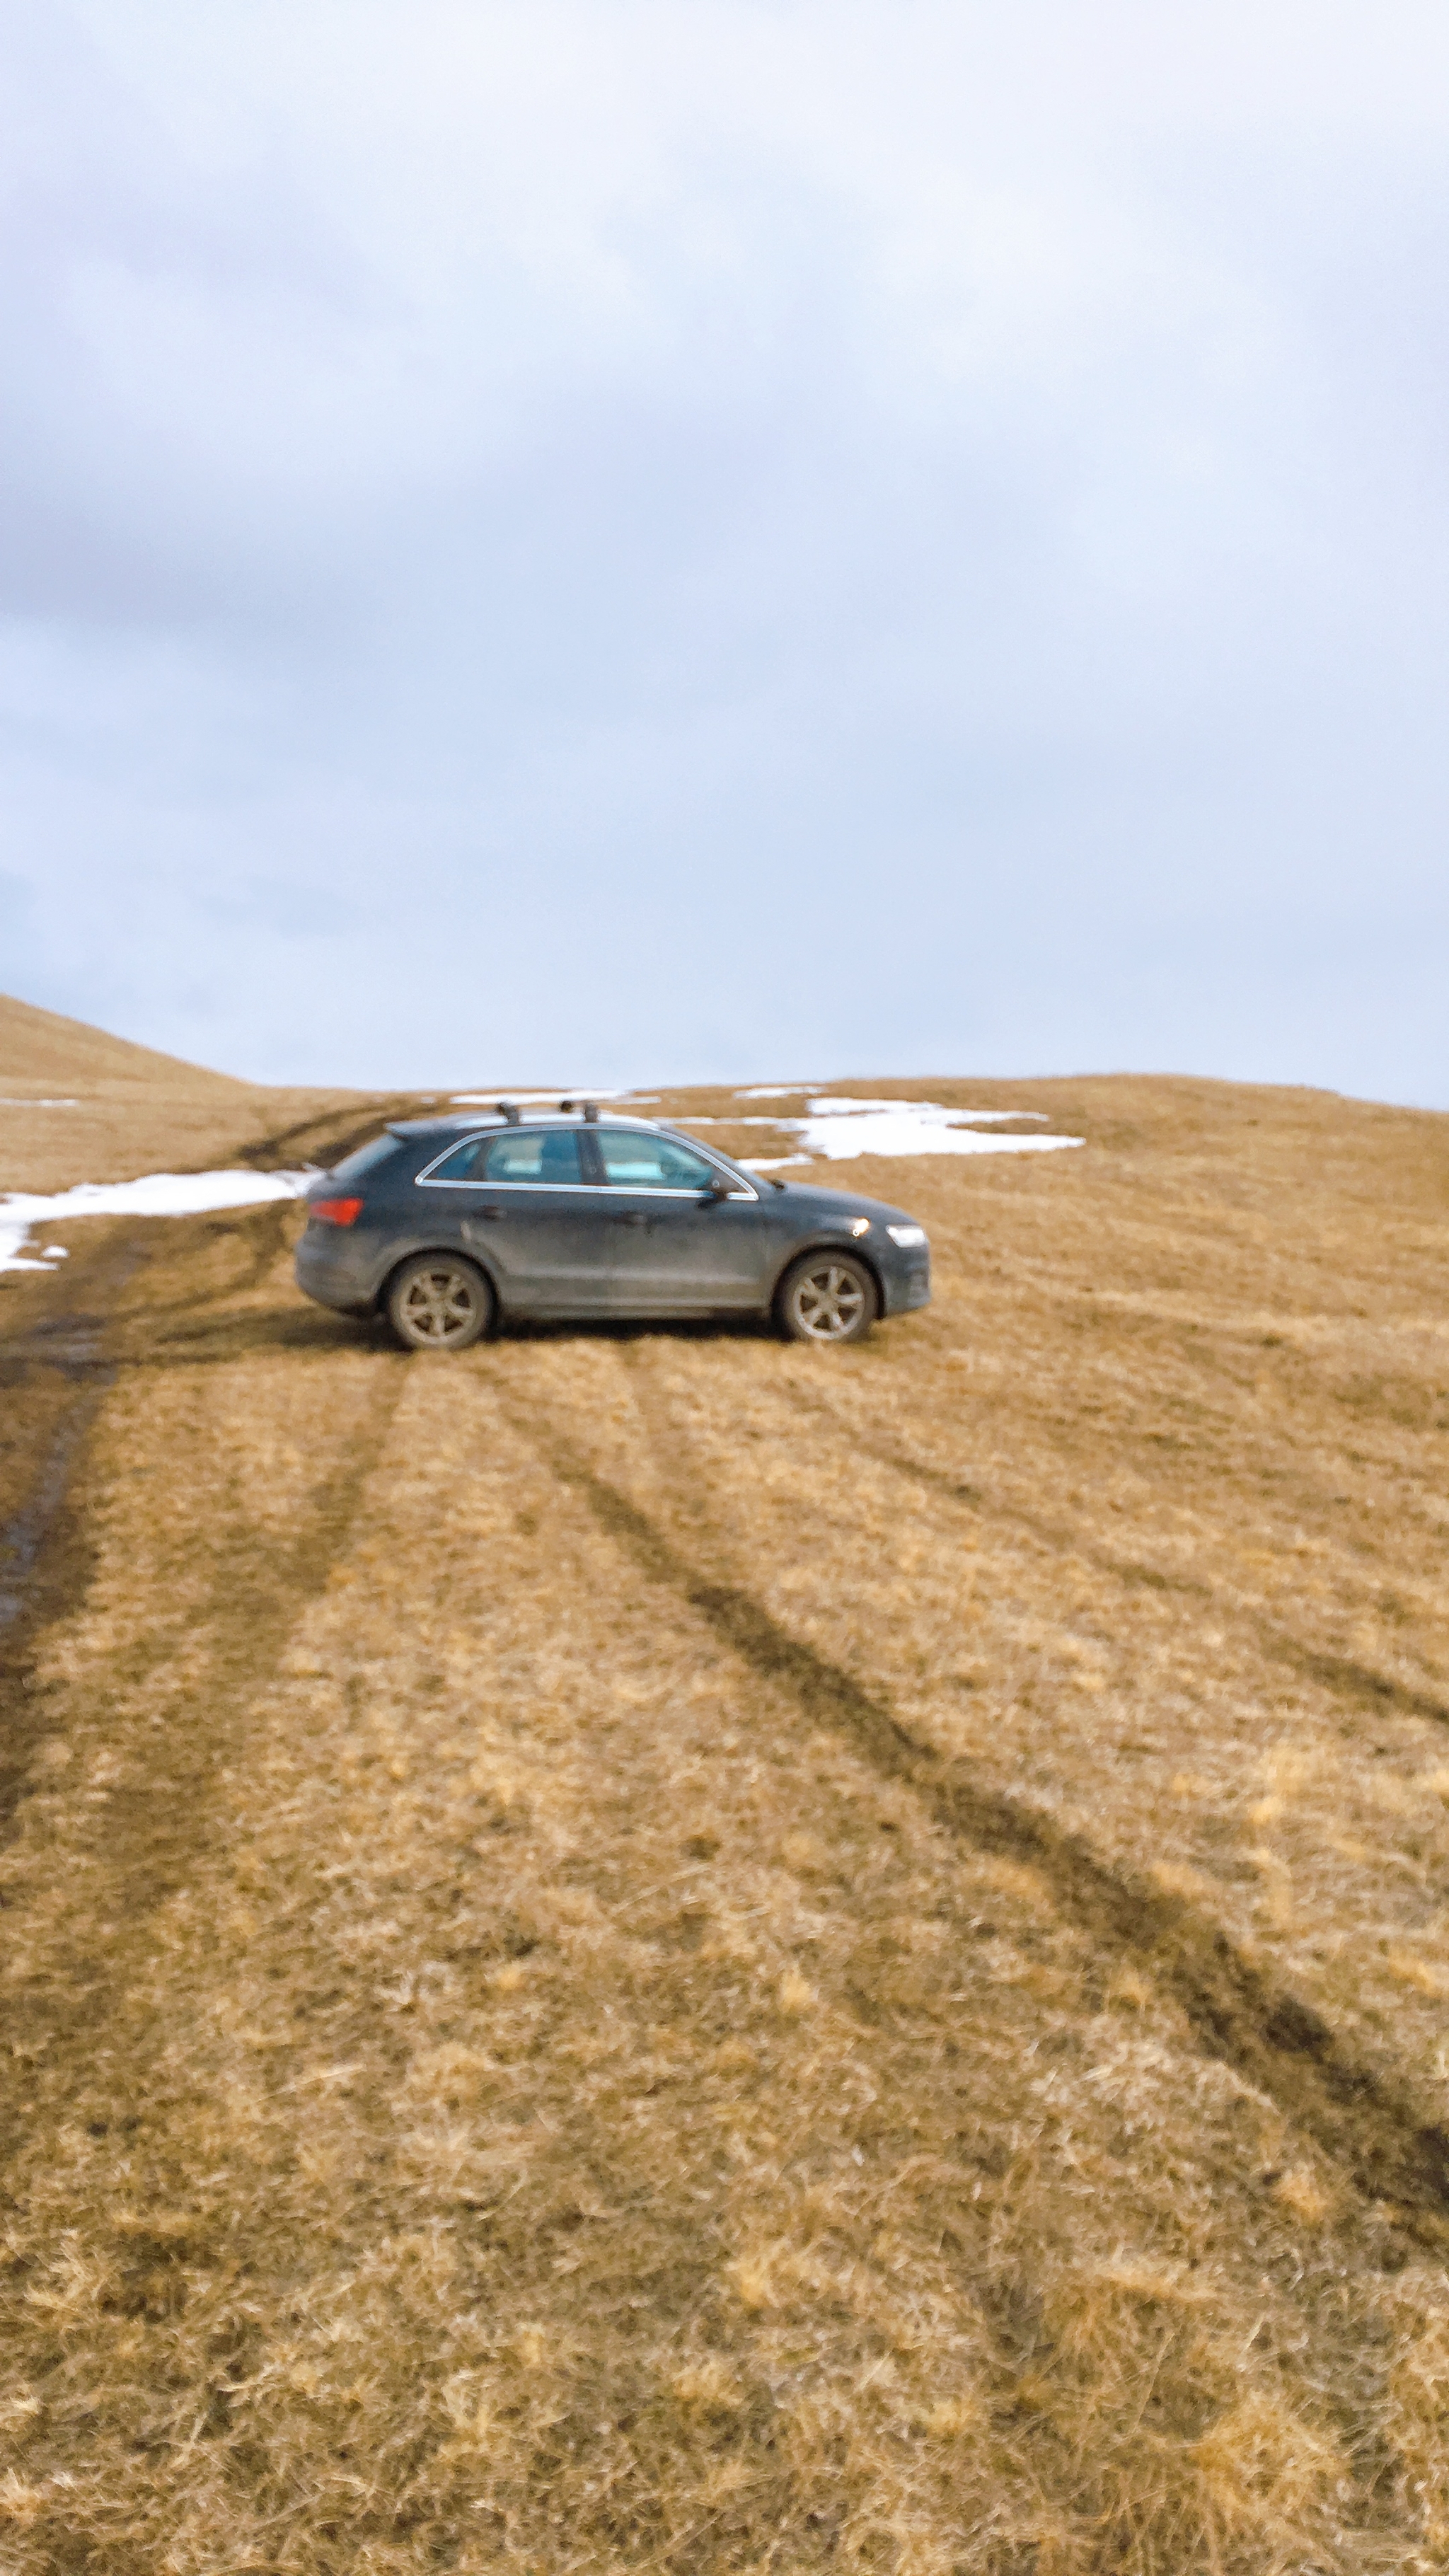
[[439, 1302], [827, 1297]]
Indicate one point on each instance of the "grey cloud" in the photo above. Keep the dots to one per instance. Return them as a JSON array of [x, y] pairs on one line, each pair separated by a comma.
[[780, 578]]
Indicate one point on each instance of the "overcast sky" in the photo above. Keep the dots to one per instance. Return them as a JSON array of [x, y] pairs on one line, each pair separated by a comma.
[[619, 539]]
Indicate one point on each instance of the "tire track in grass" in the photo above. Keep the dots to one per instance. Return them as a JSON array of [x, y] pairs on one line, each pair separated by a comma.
[[1339, 1674], [69, 1342], [261, 1584], [1355, 1682], [337, 1131], [1091, 1899], [261, 1235], [92, 1342], [44, 1554], [156, 1812], [1268, 2035], [693, 2339]]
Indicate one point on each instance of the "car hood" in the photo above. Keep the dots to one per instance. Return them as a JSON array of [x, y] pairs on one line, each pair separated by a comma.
[[831, 1205]]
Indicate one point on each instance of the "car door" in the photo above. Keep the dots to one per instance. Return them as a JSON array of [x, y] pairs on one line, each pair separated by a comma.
[[523, 1201], [675, 1245]]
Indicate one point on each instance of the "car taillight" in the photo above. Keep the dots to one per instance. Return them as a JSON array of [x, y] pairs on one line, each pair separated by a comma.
[[336, 1211]]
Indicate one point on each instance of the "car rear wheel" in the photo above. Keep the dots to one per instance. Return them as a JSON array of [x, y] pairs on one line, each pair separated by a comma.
[[439, 1302], [827, 1297]]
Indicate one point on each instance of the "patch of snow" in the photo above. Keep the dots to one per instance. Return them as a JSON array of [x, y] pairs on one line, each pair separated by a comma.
[[839, 1129], [39, 1104], [11, 1258], [159, 1194], [778, 1091], [780, 1163], [532, 1099], [905, 1130], [838, 1105]]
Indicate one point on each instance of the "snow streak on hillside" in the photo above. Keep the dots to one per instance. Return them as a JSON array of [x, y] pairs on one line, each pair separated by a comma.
[[159, 1194], [839, 1129]]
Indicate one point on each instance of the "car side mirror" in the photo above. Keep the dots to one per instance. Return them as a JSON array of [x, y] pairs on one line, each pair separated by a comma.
[[720, 1187]]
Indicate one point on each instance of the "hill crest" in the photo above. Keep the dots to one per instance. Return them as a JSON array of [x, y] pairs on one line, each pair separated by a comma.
[[43, 1050]]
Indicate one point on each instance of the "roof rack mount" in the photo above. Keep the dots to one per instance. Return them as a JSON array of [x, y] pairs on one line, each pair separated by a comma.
[[512, 1111]]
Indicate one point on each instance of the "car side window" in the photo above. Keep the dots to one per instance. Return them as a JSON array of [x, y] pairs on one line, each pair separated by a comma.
[[457, 1166], [644, 1162], [549, 1157]]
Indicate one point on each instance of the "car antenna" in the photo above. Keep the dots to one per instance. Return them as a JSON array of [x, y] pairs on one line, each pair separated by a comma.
[[508, 1109]]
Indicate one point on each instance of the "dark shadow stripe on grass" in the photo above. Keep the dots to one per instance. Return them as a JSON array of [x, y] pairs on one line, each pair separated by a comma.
[[1336, 1673], [45, 1557], [334, 1132], [1349, 1680], [1273, 2040]]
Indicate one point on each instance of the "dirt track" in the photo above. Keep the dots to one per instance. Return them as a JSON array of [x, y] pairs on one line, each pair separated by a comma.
[[656, 1950]]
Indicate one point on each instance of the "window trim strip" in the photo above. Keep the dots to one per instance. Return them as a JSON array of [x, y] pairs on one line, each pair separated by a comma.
[[741, 1187]]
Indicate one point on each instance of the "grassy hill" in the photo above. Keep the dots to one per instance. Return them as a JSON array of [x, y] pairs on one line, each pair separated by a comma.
[[40, 1049], [653, 1950], [127, 1108]]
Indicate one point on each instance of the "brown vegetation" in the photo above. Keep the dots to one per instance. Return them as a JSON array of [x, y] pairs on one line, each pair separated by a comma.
[[661, 1951], [120, 1110]]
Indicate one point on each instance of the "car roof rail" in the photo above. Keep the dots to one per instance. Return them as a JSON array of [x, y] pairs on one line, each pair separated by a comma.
[[510, 1110], [588, 1110]]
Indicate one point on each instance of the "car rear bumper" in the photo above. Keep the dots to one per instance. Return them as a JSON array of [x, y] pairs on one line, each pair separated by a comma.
[[336, 1270]]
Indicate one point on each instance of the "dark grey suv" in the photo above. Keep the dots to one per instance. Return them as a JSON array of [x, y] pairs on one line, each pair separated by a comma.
[[448, 1224]]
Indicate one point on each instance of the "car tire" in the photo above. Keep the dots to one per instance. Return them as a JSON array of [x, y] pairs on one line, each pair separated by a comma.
[[828, 1297], [439, 1302]]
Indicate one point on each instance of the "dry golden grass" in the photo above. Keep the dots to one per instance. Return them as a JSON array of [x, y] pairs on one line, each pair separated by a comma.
[[656, 1951], [112, 1110]]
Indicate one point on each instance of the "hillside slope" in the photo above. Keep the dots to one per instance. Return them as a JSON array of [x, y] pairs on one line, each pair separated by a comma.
[[43, 1049], [79, 1105], [653, 1950]]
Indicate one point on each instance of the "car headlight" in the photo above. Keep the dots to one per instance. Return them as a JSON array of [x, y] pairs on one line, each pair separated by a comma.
[[906, 1234]]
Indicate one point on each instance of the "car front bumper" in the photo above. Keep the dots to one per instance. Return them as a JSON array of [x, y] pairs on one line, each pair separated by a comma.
[[906, 1278]]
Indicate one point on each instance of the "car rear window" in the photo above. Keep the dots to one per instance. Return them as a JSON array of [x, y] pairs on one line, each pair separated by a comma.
[[366, 1159]]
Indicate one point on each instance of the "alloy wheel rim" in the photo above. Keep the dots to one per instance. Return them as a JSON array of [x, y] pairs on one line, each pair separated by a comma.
[[828, 1301], [439, 1305]]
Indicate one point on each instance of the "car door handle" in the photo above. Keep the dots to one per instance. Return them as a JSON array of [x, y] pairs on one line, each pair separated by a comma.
[[490, 1211], [629, 1220]]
